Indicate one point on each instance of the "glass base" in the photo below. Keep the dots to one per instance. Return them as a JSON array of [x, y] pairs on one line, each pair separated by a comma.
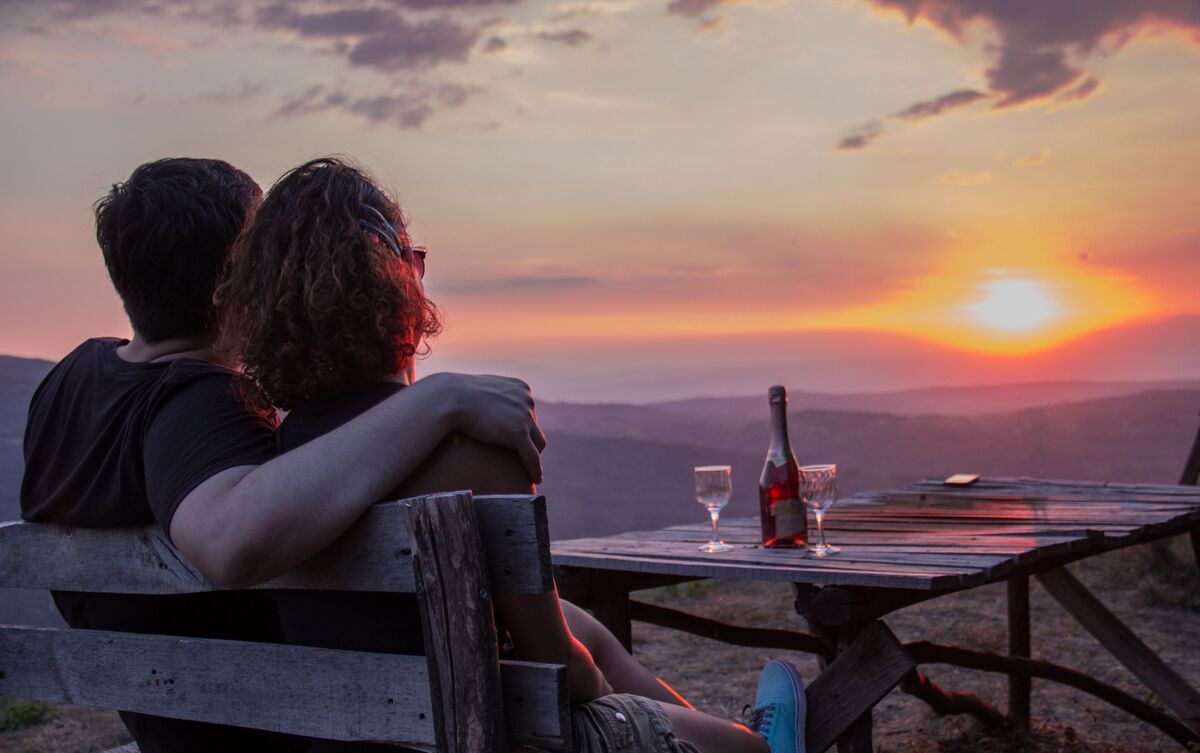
[[719, 546], [817, 550]]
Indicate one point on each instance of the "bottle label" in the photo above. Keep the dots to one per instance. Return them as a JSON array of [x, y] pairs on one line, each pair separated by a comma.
[[791, 517]]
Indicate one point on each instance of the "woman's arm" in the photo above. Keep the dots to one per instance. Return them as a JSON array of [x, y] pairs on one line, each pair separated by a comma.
[[535, 621]]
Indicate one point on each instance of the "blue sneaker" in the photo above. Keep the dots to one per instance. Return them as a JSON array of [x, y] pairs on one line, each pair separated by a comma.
[[779, 708]]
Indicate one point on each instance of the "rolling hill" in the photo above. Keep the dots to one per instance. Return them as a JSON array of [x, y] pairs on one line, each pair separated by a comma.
[[615, 467]]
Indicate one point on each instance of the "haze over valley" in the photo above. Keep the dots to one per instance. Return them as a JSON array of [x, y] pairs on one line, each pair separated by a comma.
[[612, 467]]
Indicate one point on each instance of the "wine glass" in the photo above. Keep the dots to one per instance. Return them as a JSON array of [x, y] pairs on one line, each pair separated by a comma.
[[818, 485], [713, 489]]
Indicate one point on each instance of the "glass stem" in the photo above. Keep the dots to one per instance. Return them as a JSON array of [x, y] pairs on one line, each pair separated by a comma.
[[714, 514], [821, 526]]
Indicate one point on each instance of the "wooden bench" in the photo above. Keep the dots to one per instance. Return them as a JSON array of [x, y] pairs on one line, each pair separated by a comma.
[[459, 698]]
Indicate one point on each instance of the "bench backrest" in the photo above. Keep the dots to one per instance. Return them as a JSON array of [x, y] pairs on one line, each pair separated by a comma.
[[452, 550]]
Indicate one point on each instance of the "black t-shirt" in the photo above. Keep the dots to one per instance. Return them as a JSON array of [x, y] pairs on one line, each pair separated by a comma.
[[384, 623], [111, 443]]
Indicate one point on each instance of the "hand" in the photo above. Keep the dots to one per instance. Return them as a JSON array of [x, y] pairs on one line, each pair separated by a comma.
[[493, 409]]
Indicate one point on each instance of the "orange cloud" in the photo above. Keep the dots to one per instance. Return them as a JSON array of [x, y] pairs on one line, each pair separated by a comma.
[[955, 178], [1033, 159]]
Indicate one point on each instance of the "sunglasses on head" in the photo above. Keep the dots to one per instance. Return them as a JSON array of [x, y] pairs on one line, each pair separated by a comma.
[[414, 255]]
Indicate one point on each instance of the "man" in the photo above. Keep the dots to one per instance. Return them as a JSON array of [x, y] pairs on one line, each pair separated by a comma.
[[152, 430]]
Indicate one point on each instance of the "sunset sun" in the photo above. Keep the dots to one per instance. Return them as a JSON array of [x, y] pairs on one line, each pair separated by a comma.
[[1014, 306]]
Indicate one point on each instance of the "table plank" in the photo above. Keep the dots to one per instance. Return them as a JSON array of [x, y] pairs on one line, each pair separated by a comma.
[[927, 537]]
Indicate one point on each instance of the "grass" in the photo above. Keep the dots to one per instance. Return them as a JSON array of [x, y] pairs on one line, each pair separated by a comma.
[[16, 713], [1164, 573]]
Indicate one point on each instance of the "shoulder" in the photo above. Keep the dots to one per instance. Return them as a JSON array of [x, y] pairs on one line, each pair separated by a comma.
[[192, 386], [75, 369]]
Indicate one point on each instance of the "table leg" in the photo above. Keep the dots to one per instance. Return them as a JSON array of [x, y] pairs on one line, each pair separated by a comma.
[[610, 599], [1019, 686], [1125, 647], [858, 737]]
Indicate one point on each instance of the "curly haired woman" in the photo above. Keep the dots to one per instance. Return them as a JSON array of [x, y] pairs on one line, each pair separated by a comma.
[[324, 305]]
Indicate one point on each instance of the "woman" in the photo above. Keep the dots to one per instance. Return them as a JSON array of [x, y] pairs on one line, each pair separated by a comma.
[[324, 305]]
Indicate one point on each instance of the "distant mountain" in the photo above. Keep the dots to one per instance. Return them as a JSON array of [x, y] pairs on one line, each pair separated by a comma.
[[933, 401], [647, 451], [615, 467]]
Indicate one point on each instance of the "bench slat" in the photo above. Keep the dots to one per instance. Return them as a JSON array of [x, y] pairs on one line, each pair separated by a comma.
[[294, 689], [329, 693], [374, 555], [457, 621]]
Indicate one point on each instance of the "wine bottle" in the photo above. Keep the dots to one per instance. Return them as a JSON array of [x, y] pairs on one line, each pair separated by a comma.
[[784, 517]]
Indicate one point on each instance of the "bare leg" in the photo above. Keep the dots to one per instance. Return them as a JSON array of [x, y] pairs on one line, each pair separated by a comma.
[[623, 672], [712, 735]]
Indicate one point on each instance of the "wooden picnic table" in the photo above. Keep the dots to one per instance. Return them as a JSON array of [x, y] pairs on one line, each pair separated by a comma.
[[903, 547]]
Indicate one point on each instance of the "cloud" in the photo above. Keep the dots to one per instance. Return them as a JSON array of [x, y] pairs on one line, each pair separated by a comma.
[[1033, 159], [244, 90], [58, 11], [408, 109], [158, 46], [587, 101], [570, 10], [943, 104], [531, 282], [1080, 92], [448, 4], [694, 8], [571, 38], [401, 111], [955, 178], [313, 99], [1041, 48], [860, 137], [386, 40], [1042, 45], [430, 43]]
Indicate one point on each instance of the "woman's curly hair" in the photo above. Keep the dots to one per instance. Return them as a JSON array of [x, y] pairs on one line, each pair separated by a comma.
[[312, 302]]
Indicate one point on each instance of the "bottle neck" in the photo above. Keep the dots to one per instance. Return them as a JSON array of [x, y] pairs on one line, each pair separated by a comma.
[[779, 431]]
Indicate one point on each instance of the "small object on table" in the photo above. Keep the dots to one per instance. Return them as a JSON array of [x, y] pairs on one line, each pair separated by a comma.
[[961, 479], [818, 483], [713, 489]]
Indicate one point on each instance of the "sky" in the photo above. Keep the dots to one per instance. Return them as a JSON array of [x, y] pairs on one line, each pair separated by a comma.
[[663, 198]]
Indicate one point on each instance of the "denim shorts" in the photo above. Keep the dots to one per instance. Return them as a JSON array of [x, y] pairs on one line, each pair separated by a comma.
[[622, 723]]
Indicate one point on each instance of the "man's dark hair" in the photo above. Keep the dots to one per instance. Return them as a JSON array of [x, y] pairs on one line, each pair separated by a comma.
[[166, 233]]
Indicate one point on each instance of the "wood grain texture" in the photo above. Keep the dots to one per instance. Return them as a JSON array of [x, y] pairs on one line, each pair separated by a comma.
[[1120, 641], [373, 555], [1019, 686], [537, 711], [930, 537], [458, 623], [193, 679], [863, 673], [340, 695]]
